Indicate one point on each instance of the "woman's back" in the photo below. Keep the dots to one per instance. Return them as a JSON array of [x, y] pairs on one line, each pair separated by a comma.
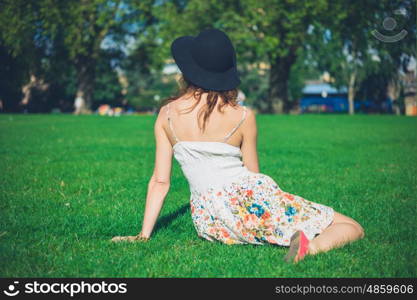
[[206, 158], [221, 126]]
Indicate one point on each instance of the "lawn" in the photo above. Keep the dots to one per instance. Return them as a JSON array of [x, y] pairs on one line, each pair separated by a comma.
[[70, 183]]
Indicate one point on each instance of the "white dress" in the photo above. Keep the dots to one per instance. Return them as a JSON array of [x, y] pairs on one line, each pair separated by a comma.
[[234, 205]]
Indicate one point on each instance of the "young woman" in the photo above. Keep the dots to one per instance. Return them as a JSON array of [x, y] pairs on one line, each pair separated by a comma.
[[214, 140]]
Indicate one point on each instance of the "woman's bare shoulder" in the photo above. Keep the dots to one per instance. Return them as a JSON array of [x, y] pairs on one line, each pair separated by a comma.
[[162, 116], [249, 111], [167, 107], [250, 114], [250, 120]]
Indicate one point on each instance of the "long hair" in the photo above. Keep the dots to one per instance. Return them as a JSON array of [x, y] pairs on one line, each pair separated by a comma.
[[229, 97]]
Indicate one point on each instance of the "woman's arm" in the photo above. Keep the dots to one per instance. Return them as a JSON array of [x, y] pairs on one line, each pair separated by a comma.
[[249, 143], [159, 182]]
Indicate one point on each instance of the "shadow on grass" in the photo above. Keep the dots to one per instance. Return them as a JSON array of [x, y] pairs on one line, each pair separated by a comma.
[[166, 221]]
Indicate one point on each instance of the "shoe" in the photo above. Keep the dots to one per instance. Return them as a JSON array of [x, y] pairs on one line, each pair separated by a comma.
[[298, 247]]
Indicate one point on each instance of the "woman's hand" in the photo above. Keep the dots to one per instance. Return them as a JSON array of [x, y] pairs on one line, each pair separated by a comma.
[[131, 238]]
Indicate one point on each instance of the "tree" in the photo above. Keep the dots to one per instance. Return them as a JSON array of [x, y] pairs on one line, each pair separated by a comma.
[[349, 51], [23, 48], [74, 30], [278, 29], [270, 31], [84, 24]]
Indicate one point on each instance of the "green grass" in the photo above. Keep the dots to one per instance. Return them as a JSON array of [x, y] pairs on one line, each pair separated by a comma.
[[68, 184]]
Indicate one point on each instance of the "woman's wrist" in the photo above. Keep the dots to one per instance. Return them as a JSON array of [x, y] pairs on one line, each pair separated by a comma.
[[144, 236]]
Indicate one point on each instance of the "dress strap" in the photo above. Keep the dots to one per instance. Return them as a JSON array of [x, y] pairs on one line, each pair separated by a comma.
[[237, 126], [170, 124]]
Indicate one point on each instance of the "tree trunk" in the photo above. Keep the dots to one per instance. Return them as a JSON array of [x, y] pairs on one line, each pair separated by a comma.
[[35, 83], [278, 84], [27, 90], [85, 84], [351, 92]]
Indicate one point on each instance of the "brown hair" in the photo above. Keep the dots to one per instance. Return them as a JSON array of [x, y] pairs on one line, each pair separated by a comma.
[[229, 97]]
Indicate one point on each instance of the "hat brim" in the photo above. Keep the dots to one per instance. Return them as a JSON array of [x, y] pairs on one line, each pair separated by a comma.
[[217, 81]]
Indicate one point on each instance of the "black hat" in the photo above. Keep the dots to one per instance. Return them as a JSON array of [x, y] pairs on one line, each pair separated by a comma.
[[207, 60]]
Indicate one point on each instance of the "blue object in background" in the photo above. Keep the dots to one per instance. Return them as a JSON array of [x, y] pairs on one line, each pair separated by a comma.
[[341, 105], [320, 104]]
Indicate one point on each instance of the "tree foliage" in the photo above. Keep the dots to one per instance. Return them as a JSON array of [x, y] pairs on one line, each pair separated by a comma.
[[82, 47]]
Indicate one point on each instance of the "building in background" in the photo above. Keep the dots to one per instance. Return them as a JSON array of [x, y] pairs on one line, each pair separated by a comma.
[[320, 96], [409, 82]]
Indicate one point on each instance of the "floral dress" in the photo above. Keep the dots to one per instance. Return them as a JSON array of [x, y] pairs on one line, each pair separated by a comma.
[[255, 210], [234, 205]]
